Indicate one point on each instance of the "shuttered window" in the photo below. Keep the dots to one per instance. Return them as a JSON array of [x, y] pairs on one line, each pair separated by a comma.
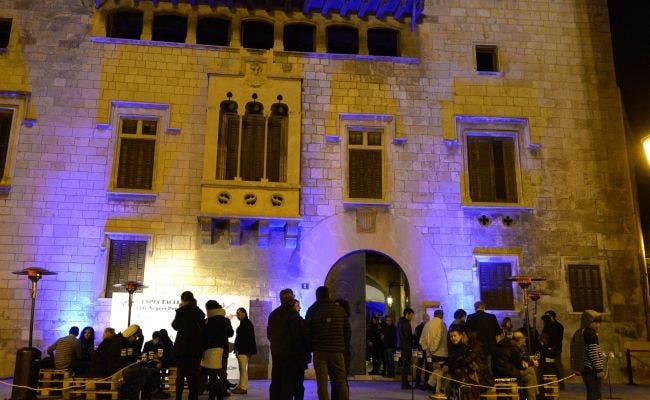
[[496, 291], [253, 147], [365, 164], [492, 169], [6, 116], [126, 261], [136, 154], [585, 287]]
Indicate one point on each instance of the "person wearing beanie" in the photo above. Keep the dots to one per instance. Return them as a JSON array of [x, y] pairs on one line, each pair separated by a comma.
[[594, 362], [217, 331], [189, 345]]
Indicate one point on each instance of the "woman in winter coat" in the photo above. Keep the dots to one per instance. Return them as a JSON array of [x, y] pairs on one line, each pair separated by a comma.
[[245, 347]]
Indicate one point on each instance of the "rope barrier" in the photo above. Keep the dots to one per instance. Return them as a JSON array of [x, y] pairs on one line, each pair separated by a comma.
[[108, 378], [463, 383]]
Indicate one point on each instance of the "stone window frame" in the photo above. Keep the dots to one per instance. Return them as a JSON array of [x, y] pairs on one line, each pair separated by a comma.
[[110, 237], [137, 110], [496, 255], [496, 60], [19, 104], [516, 128], [566, 262], [383, 122]]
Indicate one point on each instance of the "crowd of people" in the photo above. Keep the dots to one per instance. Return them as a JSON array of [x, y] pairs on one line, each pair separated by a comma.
[[465, 357]]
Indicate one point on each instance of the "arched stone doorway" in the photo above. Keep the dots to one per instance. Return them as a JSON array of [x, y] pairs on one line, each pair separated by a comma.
[[354, 278]]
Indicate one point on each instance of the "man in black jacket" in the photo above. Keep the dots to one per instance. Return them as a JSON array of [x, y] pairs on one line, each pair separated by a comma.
[[189, 345], [485, 325], [284, 331], [328, 329], [406, 344]]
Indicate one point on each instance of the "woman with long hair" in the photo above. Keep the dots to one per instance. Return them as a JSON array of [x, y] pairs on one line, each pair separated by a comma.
[[245, 347]]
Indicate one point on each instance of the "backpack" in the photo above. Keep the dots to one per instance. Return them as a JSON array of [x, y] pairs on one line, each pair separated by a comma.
[[577, 351]]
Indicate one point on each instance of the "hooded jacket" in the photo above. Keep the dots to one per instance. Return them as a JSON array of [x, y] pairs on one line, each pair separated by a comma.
[[217, 329]]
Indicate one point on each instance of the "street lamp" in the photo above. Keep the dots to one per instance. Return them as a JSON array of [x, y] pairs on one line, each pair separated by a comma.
[[130, 287], [26, 370], [646, 147]]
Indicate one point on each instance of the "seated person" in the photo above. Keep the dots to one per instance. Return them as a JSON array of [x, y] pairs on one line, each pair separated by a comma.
[[508, 362], [66, 349]]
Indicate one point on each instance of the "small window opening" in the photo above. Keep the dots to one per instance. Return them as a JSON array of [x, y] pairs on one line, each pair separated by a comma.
[[299, 37], [342, 40], [257, 35], [213, 31], [169, 28], [382, 42], [486, 59], [124, 25], [5, 31]]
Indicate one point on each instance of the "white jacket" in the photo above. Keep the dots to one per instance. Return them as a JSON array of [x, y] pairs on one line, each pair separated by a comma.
[[434, 337]]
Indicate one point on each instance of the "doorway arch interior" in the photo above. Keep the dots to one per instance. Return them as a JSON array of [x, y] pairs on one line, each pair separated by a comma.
[[374, 284]]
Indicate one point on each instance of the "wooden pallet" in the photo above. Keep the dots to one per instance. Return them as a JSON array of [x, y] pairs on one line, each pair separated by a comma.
[[504, 388], [53, 374], [51, 383], [551, 390], [169, 382], [94, 395]]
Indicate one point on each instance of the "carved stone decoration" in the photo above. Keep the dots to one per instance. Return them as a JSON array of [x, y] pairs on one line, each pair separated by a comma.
[[484, 220], [206, 227], [234, 232], [291, 234], [263, 233], [508, 221], [255, 73], [366, 220]]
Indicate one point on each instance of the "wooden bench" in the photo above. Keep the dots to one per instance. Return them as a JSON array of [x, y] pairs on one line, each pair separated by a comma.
[[504, 388], [551, 387], [51, 383]]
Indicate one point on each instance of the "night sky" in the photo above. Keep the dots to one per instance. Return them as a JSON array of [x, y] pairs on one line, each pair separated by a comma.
[[630, 25]]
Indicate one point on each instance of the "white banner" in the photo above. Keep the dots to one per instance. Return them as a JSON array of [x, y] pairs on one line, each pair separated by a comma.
[[156, 311]]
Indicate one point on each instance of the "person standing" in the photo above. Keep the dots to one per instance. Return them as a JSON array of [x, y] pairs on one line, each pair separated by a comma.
[[485, 325], [405, 333], [434, 341], [555, 331], [217, 331], [66, 350], [594, 363], [245, 347], [328, 330], [284, 330], [189, 345], [421, 362], [374, 345], [347, 355], [389, 337]]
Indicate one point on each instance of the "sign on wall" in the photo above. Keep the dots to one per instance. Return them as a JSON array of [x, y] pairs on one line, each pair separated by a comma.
[[153, 312]]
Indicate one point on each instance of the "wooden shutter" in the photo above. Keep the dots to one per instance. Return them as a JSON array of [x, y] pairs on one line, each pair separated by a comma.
[[252, 143], [276, 146], [136, 164], [503, 154], [492, 169], [496, 292], [6, 116], [585, 288], [365, 174], [228, 143], [126, 261]]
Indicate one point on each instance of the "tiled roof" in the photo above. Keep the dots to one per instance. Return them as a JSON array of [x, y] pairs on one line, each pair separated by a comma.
[[397, 9]]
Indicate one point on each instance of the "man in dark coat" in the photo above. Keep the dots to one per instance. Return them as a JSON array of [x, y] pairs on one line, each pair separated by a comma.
[[189, 345], [406, 344], [328, 329], [555, 331], [422, 364], [485, 325], [284, 330]]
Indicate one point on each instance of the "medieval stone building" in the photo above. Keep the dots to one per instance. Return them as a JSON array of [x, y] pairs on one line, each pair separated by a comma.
[[405, 152]]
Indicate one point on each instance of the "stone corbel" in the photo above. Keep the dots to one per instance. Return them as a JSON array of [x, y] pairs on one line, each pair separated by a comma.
[[263, 233], [234, 231], [205, 230], [291, 234]]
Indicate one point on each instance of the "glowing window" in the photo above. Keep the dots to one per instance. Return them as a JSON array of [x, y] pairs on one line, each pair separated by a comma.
[[585, 287], [342, 39], [126, 261], [126, 24], [5, 32], [136, 153], [496, 291], [213, 31], [257, 35], [169, 28], [299, 37]]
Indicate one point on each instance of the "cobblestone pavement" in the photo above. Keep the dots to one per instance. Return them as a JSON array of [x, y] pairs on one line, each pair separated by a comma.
[[378, 390]]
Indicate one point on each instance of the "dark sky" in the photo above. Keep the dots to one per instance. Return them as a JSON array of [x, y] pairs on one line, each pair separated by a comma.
[[630, 25]]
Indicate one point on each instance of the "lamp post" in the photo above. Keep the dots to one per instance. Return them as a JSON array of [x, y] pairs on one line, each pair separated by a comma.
[[642, 254], [26, 370], [524, 283], [130, 287]]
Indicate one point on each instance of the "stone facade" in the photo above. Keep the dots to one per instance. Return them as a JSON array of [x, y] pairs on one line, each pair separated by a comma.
[[555, 88]]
